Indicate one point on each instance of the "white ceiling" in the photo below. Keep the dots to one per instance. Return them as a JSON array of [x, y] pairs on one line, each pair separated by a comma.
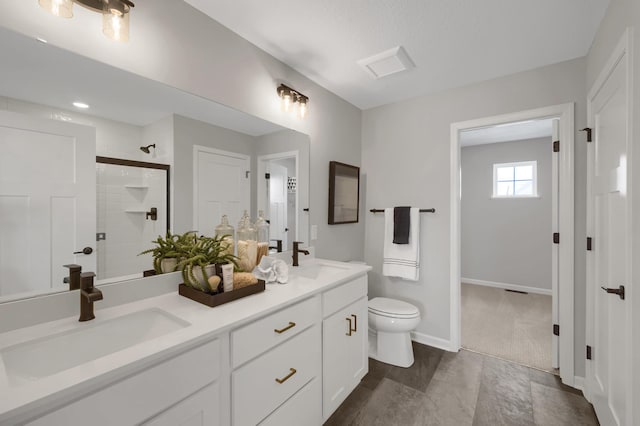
[[451, 42], [44, 74], [509, 132]]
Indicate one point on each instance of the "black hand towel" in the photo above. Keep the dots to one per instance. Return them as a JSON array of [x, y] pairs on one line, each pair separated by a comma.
[[401, 225]]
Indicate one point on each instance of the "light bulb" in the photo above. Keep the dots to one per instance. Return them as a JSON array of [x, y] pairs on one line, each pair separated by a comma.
[[115, 25], [62, 8], [302, 108], [286, 101]]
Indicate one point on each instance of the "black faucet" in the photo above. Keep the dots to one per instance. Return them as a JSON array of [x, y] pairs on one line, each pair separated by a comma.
[[278, 245], [74, 276], [88, 295], [296, 251]]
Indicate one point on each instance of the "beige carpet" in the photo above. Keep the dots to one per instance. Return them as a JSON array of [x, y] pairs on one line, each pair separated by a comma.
[[507, 325]]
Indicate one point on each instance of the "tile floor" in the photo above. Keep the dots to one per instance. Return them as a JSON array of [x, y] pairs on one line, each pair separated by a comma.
[[457, 389]]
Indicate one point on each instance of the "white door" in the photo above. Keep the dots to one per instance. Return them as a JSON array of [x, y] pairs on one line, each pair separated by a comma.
[[609, 371], [221, 186], [278, 203], [47, 201]]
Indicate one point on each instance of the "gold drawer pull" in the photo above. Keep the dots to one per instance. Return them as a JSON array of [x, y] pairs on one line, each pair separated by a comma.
[[350, 329], [355, 323], [287, 377], [282, 330]]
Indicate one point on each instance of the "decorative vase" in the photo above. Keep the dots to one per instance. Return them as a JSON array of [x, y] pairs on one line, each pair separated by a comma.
[[168, 264], [202, 281]]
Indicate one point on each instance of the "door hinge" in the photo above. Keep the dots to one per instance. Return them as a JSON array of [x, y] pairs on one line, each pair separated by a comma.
[[588, 352], [267, 175], [556, 238], [246, 174], [588, 130], [556, 329], [556, 146], [589, 243]]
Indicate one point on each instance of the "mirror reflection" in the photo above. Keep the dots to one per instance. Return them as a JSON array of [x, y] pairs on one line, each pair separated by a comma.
[[191, 161]]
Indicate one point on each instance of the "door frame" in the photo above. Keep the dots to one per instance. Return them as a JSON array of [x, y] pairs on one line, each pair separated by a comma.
[[261, 161], [197, 149], [623, 48], [565, 113]]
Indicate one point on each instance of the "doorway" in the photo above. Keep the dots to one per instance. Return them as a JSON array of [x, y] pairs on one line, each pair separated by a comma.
[[565, 226], [509, 187]]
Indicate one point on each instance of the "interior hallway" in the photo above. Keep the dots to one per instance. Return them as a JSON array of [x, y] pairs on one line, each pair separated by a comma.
[[458, 389]]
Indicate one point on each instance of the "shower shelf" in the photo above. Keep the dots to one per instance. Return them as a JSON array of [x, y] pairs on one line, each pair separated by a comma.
[[137, 186]]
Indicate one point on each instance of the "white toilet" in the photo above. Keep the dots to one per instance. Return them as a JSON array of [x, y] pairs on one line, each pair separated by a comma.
[[390, 322]]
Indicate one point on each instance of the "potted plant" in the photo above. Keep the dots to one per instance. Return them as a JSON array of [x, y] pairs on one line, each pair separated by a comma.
[[199, 260], [168, 251]]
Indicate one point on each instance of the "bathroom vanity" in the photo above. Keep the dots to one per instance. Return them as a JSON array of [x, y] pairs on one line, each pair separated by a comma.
[[287, 356]]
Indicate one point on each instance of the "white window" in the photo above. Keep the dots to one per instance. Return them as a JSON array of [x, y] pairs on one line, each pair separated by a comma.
[[515, 180]]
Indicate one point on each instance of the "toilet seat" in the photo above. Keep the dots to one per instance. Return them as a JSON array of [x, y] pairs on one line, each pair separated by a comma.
[[392, 308]]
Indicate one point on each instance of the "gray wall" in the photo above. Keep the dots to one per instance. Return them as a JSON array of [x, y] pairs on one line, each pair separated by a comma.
[[406, 160], [506, 240]]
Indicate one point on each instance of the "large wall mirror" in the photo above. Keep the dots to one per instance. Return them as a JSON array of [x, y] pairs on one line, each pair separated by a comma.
[[205, 158]]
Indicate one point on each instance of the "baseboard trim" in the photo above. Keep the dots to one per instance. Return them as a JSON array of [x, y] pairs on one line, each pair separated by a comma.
[[578, 383], [506, 286], [435, 342]]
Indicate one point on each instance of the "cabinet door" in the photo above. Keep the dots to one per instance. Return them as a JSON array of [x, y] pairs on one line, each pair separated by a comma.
[[344, 354], [200, 409]]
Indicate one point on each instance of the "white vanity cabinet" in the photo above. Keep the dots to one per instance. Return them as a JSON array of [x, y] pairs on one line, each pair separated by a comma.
[[140, 397], [344, 342], [279, 380]]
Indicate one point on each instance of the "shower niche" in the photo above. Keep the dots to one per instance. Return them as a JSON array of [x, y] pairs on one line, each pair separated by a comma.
[[132, 201]]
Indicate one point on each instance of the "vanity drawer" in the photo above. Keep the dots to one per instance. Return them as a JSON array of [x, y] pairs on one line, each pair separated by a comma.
[[343, 295], [255, 338], [255, 389], [137, 398], [303, 408]]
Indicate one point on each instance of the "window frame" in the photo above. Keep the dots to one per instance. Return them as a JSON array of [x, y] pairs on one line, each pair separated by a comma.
[[534, 179]]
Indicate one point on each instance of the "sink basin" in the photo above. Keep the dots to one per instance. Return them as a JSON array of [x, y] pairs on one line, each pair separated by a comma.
[[58, 352], [317, 270]]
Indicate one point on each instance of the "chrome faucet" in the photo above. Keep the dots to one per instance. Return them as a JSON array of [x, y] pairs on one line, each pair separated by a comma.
[[74, 276], [88, 295], [296, 251]]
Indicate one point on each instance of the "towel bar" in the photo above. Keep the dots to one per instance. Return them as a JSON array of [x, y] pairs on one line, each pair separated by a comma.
[[421, 210]]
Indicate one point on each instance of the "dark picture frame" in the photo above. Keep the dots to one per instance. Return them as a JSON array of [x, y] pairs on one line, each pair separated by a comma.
[[344, 193]]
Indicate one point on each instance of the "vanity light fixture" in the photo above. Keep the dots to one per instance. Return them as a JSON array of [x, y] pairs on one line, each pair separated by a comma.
[[115, 14], [291, 99]]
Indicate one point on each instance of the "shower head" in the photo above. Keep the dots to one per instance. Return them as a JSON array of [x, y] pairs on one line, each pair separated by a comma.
[[146, 150]]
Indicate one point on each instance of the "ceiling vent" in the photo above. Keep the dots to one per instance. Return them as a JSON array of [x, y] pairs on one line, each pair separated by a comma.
[[389, 62]]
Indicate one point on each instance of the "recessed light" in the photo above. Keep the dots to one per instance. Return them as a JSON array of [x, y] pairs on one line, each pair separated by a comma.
[[41, 40], [80, 105]]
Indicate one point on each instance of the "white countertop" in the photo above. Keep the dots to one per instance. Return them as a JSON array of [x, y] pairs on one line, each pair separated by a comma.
[[206, 322]]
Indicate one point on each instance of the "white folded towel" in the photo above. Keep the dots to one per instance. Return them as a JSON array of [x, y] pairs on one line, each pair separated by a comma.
[[402, 260]]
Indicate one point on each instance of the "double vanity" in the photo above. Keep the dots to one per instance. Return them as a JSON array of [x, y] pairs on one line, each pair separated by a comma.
[[287, 356]]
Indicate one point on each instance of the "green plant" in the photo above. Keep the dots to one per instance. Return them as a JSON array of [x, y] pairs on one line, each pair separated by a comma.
[[172, 246], [203, 251]]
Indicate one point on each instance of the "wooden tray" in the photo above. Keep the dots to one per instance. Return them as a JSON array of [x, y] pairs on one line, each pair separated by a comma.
[[212, 300]]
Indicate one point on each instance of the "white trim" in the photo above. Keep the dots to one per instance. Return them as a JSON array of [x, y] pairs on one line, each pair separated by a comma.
[[564, 112], [435, 342], [507, 286], [198, 149], [578, 383]]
